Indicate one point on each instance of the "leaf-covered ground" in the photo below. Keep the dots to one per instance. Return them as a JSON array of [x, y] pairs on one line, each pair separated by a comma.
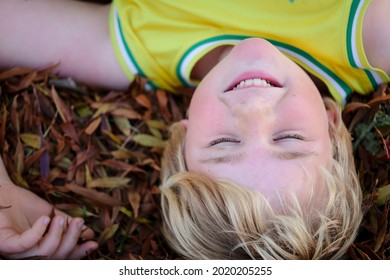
[[368, 119], [91, 153], [96, 154]]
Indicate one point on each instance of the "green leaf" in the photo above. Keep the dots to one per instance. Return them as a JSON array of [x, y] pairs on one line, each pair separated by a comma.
[[108, 233], [383, 195], [108, 182], [148, 140], [83, 111], [80, 212], [381, 119], [32, 140], [367, 137], [158, 124], [127, 212], [123, 124]]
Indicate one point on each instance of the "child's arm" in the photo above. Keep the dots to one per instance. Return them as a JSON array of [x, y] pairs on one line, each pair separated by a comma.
[[376, 30], [39, 33], [26, 229]]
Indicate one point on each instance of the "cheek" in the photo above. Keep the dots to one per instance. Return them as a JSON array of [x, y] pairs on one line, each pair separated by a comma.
[[205, 114]]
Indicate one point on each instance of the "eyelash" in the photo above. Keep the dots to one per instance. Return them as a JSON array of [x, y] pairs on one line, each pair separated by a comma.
[[232, 140], [223, 140], [289, 136]]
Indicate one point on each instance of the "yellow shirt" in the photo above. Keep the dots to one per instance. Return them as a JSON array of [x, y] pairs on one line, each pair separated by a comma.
[[162, 40]]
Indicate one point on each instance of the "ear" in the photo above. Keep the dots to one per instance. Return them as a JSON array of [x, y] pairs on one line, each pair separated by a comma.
[[184, 122], [334, 116]]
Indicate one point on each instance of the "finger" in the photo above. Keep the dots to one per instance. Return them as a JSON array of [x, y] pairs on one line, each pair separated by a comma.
[[52, 238], [69, 239], [86, 232], [83, 250], [17, 243]]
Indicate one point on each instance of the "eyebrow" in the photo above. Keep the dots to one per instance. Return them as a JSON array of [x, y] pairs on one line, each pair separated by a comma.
[[294, 155], [231, 158], [234, 158]]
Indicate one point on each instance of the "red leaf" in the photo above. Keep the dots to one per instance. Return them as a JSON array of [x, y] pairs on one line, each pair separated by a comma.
[[62, 109]]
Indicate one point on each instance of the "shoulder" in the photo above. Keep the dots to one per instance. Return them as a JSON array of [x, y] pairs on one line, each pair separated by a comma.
[[376, 27]]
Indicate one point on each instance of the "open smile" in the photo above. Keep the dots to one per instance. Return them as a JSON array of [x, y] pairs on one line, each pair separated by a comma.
[[254, 81]]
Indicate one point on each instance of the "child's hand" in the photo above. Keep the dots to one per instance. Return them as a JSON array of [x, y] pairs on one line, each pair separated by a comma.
[[27, 231], [53, 239]]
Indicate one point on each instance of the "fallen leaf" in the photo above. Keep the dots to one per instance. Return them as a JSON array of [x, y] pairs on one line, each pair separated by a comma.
[[126, 113], [62, 108], [32, 140], [108, 233], [98, 197], [108, 182], [352, 106], [134, 199], [104, 109], [383, 195], [117, 164], [380, 237], [143, 100], [148, 140], [70, 131], [91, 128], [163, 104], [123, 124], [16, 71]]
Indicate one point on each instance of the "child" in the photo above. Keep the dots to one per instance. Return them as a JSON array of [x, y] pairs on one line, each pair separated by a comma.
[[261, 169]]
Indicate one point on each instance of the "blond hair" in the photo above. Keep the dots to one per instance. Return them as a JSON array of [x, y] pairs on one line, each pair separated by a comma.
[[207, 218]]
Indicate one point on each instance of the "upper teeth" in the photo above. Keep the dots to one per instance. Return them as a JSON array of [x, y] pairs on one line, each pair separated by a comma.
[[252, 82]]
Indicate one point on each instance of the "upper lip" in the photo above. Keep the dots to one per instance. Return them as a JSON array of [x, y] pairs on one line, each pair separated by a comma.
[[247, 76]]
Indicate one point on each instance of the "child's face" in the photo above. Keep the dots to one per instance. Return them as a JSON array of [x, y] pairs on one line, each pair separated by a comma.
[[269, 138]]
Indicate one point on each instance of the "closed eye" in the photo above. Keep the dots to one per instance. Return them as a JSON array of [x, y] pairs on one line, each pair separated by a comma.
[[223, 140], [289, 136]]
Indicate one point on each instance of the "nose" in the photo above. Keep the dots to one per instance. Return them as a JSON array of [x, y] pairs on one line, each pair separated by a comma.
[[252, 108], [254, 115]]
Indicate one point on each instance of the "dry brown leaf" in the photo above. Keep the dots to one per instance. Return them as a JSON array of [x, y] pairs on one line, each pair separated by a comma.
[[379, 99], [19, 156], [126, 113], [24, 83], [34, 158], [104, 108], [16, 71], [70, 131], [3, 126], [91, 128], [91, 194], [380, 237], [135, 200], [115, 138], [123, 154], [163, 105], [352, 106], [116, 164], [62, 108], [143, 100]]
